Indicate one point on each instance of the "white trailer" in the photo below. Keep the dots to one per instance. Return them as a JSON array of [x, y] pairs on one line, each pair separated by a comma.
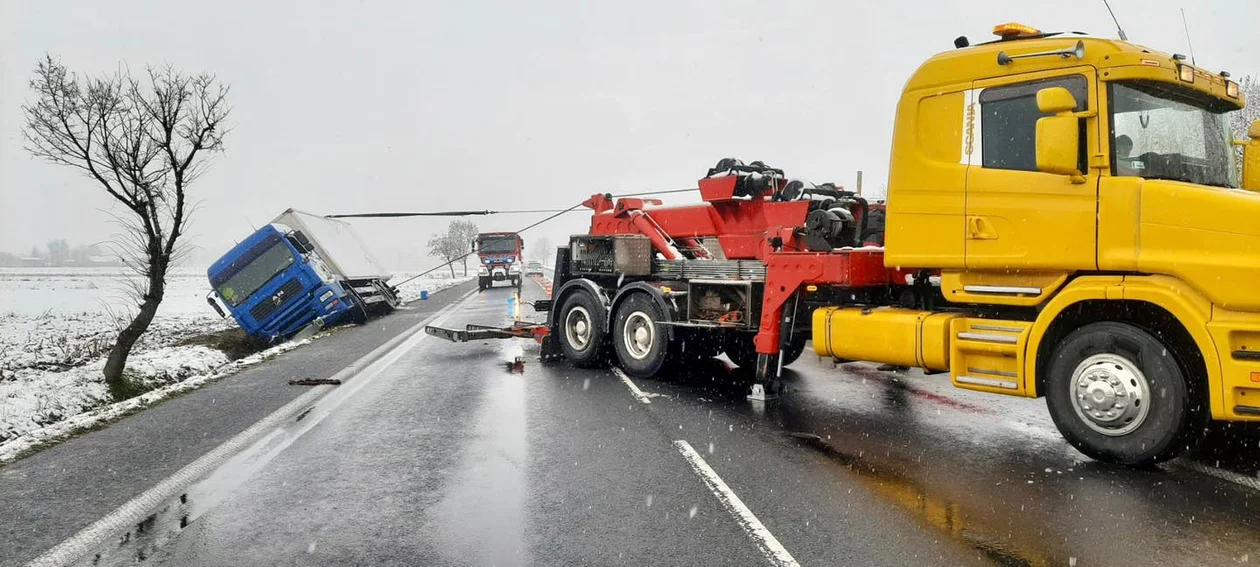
[[343, 253]]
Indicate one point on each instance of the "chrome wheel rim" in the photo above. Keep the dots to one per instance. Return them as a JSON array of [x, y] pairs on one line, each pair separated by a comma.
[[1110, 394], [639, 335], [577, 327]]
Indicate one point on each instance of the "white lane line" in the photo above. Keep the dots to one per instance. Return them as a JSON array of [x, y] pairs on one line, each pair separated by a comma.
[[1239, 479], [766, 542], [126, 516], [638, 394]]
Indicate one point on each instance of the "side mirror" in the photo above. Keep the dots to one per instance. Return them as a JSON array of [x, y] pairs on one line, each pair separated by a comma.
[[1054, 100], [1251, 159], [215, 305], [301, 242], [1058, 136]]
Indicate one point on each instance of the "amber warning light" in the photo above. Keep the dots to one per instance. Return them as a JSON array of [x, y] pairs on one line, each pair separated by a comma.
[[1014, 31]]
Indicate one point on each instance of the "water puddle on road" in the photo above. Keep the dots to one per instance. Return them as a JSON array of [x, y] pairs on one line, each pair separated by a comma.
[[145, 539], [941, 514]]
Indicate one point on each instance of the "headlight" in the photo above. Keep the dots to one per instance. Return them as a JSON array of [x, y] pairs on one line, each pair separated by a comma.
[[514, 268], [482, 270]]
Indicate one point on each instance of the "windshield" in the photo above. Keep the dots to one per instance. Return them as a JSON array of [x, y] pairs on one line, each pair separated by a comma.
[[1162, 131], [498, 246], [256, 274]]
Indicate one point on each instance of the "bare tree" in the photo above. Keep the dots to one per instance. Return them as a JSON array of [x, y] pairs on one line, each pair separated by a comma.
[[543, 250], [144, 141], [1239, 121], [462, 232], [442, 246]]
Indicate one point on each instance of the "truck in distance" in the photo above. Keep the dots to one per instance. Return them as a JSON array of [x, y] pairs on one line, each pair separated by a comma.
[[297, 271], [498, 258]]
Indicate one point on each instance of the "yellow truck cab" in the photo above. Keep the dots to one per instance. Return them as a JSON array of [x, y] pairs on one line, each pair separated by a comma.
[[1081, 202]]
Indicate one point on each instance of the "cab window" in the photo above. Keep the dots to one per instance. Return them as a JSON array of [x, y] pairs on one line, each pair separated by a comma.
[[1008, 124]]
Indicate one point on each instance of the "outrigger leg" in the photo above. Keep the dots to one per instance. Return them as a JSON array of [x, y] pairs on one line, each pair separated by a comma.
[[766, 383]]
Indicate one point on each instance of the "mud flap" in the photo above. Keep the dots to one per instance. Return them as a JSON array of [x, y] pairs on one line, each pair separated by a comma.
[[550, 350]]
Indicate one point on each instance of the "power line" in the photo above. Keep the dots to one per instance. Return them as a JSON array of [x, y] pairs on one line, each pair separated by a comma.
[[439, 214], [489, 212], [557, 213]]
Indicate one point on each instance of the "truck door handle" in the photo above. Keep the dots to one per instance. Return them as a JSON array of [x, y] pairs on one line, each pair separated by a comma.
[[979, 228]]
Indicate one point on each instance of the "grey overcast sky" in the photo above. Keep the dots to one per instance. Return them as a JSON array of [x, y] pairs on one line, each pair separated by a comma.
[[407, 105]]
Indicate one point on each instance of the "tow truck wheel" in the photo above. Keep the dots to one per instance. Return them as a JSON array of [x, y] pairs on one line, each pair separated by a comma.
[[642, 345], [1119, 395], [581, 329]]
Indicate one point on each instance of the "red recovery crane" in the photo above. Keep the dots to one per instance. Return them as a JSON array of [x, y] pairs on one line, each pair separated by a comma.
[[803, 235], [737, 273]]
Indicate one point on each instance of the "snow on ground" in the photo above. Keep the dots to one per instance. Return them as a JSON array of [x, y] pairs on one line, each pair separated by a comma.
[[172, 370], [57, 325], [438, 280], [54, 319]]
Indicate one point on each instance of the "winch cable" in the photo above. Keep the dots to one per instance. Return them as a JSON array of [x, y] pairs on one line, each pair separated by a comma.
[[556, 213], [440, 214]]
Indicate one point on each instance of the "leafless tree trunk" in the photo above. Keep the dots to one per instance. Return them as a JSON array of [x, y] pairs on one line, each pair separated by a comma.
[[144, 142], [1240, 122], [462, 233], [440, 245]]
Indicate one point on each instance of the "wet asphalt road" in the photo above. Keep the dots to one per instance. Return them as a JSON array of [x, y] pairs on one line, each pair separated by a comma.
[[446, 457]]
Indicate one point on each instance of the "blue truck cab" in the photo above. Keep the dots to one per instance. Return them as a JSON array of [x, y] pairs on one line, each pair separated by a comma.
[[299, 271], [274, 284]]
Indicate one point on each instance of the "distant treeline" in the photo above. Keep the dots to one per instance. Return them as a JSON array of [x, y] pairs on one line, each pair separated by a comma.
[[59, 253]]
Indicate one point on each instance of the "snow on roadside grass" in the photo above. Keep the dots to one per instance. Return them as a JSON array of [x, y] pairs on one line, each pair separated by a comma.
[[180, 368], [410, 291], [51, 362], [28, 404]]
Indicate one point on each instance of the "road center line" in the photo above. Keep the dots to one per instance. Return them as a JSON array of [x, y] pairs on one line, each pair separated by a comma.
[[126, 516], [638, 394], [766, 542]]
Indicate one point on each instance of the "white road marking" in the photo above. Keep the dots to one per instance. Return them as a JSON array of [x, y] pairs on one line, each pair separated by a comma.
[[638, 394], [766, 542], [1228, 476], [126, 516]]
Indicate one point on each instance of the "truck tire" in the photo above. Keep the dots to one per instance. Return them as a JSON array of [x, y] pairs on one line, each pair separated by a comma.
[[483, 283], [1119, 395], [642, 346], [580, 329]]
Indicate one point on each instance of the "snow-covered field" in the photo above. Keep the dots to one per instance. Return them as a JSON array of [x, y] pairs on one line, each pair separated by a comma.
[[57, 324]]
